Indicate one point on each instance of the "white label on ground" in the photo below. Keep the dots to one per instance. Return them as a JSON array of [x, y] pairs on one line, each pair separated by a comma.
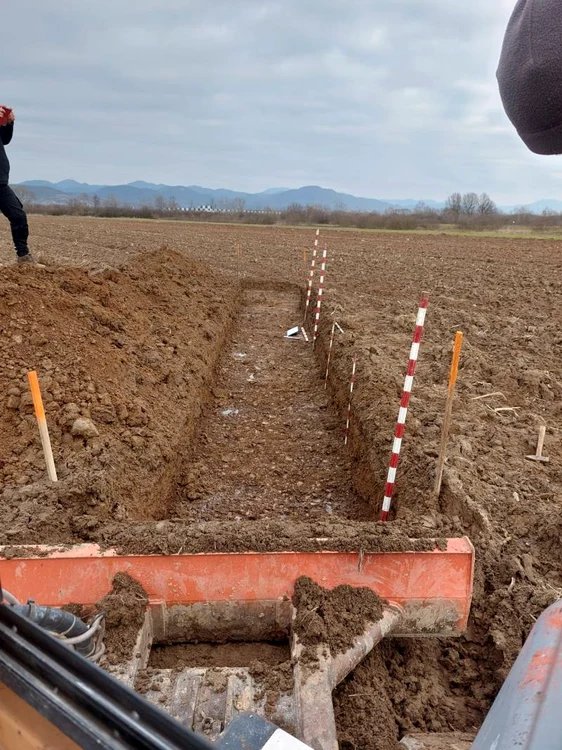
[[280, 740]]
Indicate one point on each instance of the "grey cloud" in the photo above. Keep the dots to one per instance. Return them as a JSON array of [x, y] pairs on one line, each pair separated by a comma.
[[381, 98]]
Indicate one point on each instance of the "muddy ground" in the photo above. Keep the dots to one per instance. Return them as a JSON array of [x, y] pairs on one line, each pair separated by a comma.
[[136, 327]]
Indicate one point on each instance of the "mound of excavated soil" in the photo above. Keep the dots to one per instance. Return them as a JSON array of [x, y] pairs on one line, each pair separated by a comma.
[[124, 608], [123, 358], [334, 617]]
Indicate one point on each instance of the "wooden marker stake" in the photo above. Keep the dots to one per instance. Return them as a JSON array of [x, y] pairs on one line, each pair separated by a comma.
[[448, 411], [540, 445], [42, 422]]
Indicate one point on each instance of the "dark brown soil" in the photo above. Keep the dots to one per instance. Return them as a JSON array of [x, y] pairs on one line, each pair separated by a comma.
[[171, 537], [407, 685], [124, 607], [334, 617], [365, 715], [184, 655]]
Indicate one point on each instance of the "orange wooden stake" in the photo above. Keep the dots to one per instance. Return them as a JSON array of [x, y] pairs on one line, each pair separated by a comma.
[[42, 422], [448, 411]]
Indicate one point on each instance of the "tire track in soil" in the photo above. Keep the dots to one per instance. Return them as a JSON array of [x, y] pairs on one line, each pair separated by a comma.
[[270, 443]]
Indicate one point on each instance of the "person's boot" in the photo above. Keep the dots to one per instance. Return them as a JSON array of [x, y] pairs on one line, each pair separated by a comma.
[[27, 258]]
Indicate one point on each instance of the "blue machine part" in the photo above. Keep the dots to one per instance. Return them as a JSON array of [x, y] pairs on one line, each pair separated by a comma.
[[527, 713], [251, 732]]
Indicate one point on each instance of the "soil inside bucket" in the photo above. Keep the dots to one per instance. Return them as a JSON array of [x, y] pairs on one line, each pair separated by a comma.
[[182, 655]]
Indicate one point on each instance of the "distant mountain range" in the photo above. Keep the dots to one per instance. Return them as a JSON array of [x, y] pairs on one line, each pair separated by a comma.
[[141, 193], [145, 194]]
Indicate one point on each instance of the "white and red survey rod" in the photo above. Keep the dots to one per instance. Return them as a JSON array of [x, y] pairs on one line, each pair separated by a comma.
[[406, 393], [311, 275], [320, 293]]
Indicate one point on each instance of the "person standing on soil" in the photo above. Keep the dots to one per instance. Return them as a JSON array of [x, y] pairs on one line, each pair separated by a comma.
[[10, 204], [530, 74]]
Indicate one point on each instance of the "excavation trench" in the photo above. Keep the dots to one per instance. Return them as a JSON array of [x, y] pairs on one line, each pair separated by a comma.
[[270, 442]]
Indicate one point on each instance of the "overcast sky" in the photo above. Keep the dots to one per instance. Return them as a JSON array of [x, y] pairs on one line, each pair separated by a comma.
[[380, 98]]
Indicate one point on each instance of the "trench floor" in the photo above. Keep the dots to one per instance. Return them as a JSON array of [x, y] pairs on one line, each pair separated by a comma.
[[270, 443]]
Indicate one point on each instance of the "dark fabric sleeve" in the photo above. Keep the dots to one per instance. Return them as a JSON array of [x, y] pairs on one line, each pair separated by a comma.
[[6, 133], [530, 74]]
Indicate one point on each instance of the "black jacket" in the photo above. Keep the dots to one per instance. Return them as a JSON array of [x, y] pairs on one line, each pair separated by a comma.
[[6, 133], [530, 74]]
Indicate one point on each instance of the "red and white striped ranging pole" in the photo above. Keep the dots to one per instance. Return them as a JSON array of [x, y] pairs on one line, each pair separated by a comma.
[[320, 293], [351, 386], [406, 393], [311, 275]]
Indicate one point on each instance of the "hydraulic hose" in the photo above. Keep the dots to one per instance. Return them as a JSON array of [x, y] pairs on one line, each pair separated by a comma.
[[61, 622]]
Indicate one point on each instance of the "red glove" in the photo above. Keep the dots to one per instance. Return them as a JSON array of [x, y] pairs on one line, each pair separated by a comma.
[[5, 115]]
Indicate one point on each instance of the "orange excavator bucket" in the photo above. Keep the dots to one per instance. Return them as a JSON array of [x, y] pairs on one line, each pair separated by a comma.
[[222, 597], [438, 582]]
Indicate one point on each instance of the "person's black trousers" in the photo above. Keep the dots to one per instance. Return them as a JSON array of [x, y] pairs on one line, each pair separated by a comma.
[[12, 208]]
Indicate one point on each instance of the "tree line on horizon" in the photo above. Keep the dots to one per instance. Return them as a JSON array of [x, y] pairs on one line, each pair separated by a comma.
[[468, 210]]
